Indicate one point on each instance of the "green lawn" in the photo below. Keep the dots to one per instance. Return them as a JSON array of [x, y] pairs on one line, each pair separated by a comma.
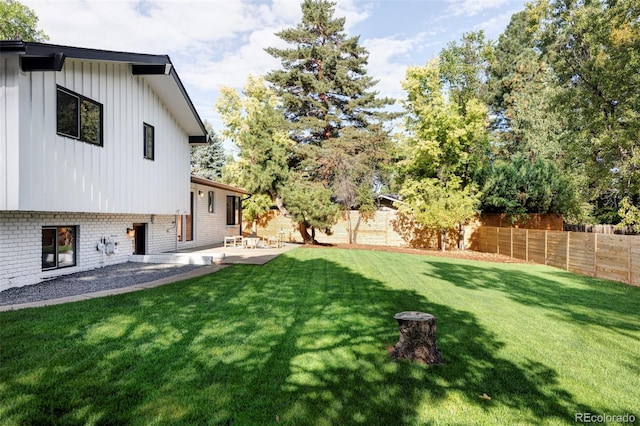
[[303, 340]]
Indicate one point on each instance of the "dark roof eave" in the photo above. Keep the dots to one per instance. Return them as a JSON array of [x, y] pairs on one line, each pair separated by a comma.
[[199, 140], [50, 57], [176, 78], [213, 184], [44, 49]]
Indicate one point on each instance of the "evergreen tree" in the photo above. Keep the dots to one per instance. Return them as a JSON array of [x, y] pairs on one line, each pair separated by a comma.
[[519, 185], [257, 127], [335, 119], [207, 160], [528, 130], [522, 89]]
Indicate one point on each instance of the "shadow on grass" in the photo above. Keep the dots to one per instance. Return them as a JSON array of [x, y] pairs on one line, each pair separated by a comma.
[[300, 341]]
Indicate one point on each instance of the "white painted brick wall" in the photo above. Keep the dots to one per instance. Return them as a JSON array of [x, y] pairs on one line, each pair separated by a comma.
[[210, 228], [21, 242], [162, 234]]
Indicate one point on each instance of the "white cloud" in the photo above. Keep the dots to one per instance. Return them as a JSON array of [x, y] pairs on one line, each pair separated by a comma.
[[388, 59], [158, 27], [233, 68], [473, 7], [495, 25], [352, 12], [286, 10]]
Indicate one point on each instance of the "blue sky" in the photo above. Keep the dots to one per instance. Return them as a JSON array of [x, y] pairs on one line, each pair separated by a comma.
[[218, 43]]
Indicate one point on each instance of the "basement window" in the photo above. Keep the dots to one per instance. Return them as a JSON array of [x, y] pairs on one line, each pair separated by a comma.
[[78, 117], [59, 247]]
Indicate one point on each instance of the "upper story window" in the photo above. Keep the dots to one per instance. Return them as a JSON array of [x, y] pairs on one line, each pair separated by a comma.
[[149, 141], [79, 117]]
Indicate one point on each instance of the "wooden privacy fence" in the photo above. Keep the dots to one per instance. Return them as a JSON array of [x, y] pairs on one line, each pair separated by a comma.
[[613, 257], [601, 229], [385, 228]]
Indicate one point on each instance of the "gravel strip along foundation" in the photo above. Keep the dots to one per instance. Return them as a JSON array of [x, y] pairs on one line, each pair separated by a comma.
[[107, 278]]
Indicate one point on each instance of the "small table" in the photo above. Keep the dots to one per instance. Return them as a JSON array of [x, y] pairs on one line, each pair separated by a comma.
[[274, 242], [250, 242]]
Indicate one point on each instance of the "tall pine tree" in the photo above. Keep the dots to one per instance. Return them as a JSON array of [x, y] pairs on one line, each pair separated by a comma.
[[336, 119], [207, 160], [528, 125]]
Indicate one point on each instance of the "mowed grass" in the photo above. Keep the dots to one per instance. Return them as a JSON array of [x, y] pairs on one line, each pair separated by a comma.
[[303, 340]]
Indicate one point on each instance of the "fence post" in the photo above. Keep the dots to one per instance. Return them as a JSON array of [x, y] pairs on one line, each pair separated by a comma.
[[568, 242], [510, 242], [498, 240], [629, 262], [545, 246], [595, 255]]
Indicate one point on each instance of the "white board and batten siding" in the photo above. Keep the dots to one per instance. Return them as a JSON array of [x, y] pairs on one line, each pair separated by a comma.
[[9, 148], [57, 173]]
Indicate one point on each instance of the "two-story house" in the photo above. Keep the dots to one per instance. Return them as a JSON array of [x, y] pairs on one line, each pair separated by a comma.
[[94, 162]]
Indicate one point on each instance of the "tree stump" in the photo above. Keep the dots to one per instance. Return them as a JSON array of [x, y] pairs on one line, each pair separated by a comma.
[[417, 338]]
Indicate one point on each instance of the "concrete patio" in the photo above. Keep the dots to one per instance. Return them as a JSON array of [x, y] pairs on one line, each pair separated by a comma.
[[216, 254], [232, 255]]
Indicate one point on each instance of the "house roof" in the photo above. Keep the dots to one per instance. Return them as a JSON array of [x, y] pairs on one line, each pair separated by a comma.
[[214, 184], [157, 70], [395, 198]]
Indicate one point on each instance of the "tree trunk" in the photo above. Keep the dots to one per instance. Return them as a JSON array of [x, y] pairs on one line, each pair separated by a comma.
[[302, 227], [355, 230], [304, 232], [283, 210], [461, 232], [443, 239], [417, 338]]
